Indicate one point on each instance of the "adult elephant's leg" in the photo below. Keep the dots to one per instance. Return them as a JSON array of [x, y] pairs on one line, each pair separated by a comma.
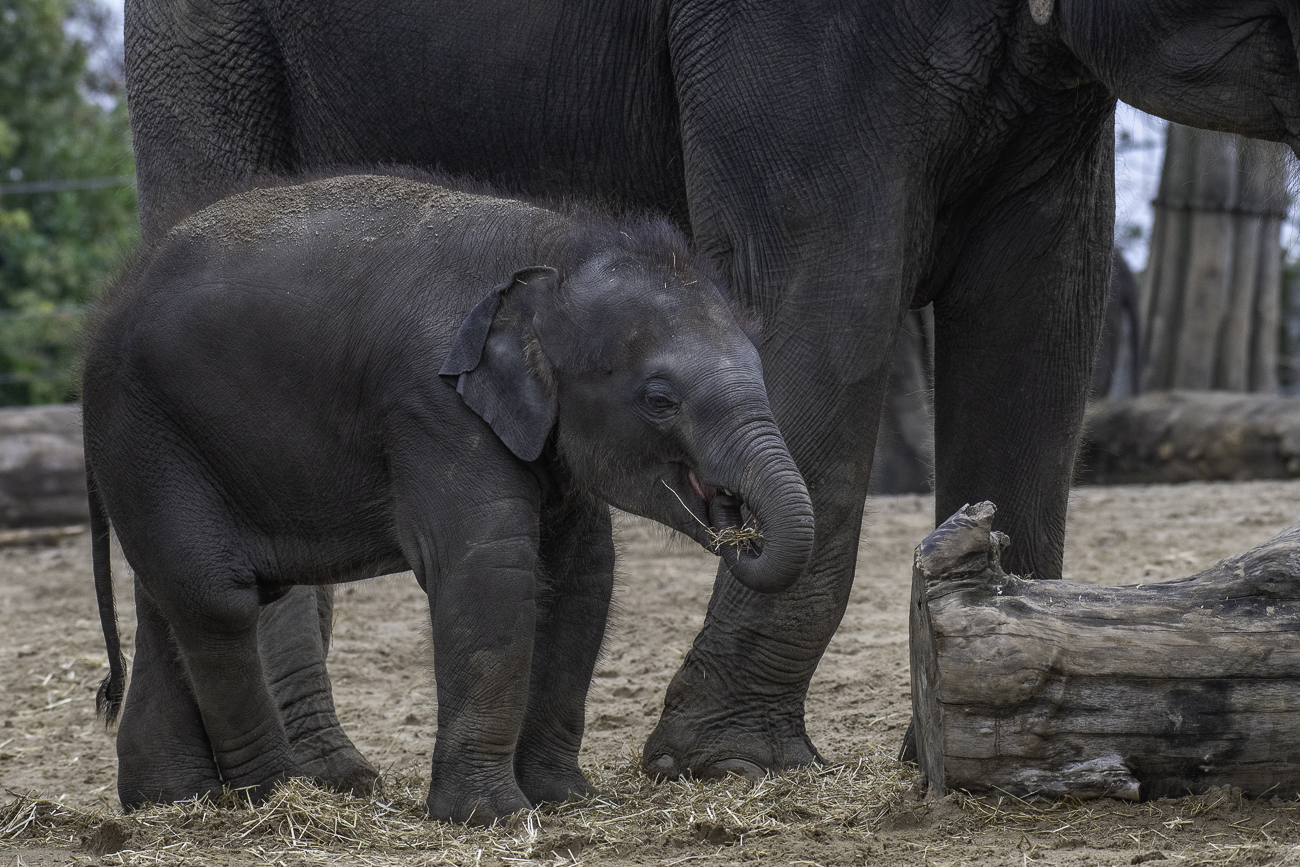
[[576, 577], [795, 195], [163, 753], [293, 636], [736, 705], [209, 110], [1016, 333], [209, 104]]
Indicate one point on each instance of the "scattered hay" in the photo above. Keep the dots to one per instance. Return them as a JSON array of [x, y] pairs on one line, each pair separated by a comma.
[[300, 820], [29, 817], [782, 816]]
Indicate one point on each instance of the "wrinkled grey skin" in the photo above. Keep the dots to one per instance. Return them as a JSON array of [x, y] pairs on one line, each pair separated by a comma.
[[840, 160], [318, 383]]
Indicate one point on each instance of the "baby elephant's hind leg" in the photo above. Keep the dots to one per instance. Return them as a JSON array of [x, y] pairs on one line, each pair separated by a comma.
[[576, 581], [213, 612], [163, 752], [294, 635]]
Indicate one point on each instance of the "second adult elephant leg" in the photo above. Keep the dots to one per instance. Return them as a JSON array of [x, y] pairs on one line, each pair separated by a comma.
[[1015, 339], [293, 637], [209, 104]]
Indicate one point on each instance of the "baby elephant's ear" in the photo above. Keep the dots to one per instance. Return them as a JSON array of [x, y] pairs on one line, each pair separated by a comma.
[[499, 367]]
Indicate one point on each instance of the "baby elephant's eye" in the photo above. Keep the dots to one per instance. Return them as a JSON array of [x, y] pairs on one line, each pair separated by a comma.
[[659, 399]]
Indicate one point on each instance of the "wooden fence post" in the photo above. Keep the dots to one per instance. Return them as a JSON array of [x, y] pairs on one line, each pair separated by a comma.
[[1213, 280]]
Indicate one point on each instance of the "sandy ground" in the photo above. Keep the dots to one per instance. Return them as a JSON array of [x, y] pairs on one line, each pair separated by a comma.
[[52, 656]]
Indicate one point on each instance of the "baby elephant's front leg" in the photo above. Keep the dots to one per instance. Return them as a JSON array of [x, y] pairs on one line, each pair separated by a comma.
[[577, 574], [484, 616]]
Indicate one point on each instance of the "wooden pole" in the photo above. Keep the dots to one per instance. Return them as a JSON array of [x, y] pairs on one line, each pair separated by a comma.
[[1264, 197], [1209, 261], [1213, 282], [1167, 264]]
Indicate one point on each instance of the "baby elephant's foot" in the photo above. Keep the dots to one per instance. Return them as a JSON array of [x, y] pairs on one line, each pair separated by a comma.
[[343, 769], [138, 794], [555, 787], [475, 805]]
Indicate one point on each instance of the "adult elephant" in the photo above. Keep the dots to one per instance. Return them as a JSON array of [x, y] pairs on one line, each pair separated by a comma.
[[841, 161]]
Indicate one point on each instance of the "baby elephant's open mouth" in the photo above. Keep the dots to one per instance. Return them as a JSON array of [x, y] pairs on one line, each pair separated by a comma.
[[721, 518]]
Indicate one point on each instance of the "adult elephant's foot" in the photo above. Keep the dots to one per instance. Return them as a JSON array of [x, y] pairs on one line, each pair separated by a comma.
[[736, 705], [714, 726], [330, 758]]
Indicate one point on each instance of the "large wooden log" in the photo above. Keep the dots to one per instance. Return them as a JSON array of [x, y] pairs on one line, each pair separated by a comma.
[[1056, 688], [1183, 436], [42, 468]]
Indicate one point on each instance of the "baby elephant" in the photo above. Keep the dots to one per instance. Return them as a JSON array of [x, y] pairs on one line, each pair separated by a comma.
[[319, 383]]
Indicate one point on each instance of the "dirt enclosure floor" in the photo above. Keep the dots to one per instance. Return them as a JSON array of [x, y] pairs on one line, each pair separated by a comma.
[[59, 806]]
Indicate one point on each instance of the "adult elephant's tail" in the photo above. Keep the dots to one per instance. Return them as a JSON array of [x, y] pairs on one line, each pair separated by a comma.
[[108, 700]]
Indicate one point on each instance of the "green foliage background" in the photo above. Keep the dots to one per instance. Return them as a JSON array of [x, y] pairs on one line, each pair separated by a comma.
[[58, 120]]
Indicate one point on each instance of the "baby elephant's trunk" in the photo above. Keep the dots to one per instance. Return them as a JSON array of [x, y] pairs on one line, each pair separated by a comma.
[[773, 492]]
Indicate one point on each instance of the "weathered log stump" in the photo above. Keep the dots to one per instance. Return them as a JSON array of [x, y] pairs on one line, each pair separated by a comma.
[[42, 468], [1183, 436], [1056, 689]]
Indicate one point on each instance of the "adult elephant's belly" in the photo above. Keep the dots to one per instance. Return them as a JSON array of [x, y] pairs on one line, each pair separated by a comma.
[[414, 93]]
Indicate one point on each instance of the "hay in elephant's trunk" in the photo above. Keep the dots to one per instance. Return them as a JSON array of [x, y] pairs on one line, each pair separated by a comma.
[[745, 539]]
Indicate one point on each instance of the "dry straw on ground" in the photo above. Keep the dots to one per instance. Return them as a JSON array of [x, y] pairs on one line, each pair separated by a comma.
[[300, 820], [855, 803], [863, 815]]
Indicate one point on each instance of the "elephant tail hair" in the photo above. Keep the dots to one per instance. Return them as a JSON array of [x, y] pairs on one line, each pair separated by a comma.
[[108, 699]]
